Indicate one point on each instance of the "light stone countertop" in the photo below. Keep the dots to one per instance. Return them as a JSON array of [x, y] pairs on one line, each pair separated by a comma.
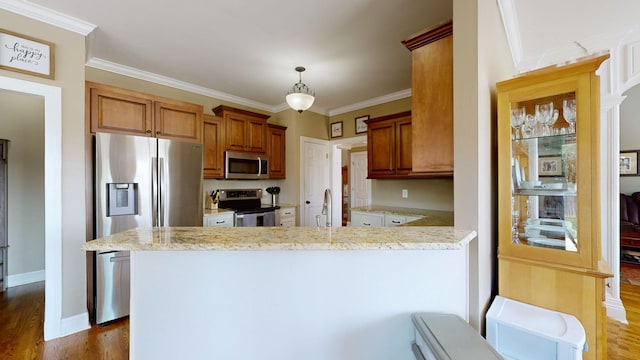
[[285, 238], [427, 217]]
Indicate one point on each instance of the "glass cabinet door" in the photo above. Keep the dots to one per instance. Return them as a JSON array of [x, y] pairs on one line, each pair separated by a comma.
[[543, 172]]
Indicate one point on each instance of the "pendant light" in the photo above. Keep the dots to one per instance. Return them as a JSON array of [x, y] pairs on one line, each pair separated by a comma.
[[300, 98]]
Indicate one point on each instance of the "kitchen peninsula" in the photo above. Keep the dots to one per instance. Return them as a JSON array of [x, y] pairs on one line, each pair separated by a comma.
[[288, 292]]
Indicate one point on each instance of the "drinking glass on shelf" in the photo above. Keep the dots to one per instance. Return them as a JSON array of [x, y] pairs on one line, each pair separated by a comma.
[[544, 113], [569, 113], [529, 127], [517, 119]]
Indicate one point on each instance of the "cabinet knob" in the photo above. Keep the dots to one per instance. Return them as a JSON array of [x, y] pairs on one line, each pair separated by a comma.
[[158, 132], [307, 202], [148, 131]]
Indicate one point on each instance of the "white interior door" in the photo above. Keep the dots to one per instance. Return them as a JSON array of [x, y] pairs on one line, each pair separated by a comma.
[[360, 185], [314, 165]]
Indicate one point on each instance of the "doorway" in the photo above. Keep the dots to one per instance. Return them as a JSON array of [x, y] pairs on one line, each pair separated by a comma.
[[22, 125], [342, 152], [52, 196]]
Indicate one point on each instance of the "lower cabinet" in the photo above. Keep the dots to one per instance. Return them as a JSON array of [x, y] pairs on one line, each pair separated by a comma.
[[365, 218], [359, 218], [395, 220], [225, 219], [286, 216]]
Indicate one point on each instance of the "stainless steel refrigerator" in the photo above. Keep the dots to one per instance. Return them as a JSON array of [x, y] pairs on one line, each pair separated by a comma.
[[140, 182]]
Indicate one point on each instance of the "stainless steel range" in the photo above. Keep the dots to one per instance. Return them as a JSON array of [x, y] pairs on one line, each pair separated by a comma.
[[247, 204]]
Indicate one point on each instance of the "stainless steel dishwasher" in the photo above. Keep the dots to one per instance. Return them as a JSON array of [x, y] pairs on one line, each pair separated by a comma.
[[112, 285]]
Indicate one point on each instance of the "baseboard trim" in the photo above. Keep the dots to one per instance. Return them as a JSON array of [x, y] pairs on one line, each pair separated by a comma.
[[74, 324], [615, 309], [25, 278]]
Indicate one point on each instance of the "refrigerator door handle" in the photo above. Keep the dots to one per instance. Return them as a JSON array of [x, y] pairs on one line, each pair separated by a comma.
[[154, 192], [162, 192]]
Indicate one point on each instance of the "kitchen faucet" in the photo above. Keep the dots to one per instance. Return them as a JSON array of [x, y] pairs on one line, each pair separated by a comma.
[[326, 207]]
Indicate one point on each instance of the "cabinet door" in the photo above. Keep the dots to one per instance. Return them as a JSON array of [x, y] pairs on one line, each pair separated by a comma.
[[276, 150], [394, 220], [432, 106], [403, 146], [381, 138], [177, 120], [213, 147], [236, 130], [119, 111], [219, 220], [366, 219], [256, 135]]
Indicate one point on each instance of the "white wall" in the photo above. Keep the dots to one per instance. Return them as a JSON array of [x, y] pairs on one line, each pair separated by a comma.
[[433, 194], [630, 135], [21, 121], [478, 33]]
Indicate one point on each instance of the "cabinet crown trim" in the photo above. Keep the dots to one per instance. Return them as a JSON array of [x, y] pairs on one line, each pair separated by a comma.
[[223, 108], [429, 35], [389, 117]]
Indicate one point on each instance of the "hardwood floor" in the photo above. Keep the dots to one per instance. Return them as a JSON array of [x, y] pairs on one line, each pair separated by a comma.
[[21, 329], [623, 341]]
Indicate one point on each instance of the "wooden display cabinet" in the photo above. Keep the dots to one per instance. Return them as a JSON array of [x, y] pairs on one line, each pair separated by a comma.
[[548, 194]]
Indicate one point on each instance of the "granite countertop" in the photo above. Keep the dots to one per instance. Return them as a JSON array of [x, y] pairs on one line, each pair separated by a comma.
[[427, 217], [285, 238]]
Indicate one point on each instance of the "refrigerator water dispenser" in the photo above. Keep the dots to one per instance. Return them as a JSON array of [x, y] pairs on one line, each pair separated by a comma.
[[122, 199]]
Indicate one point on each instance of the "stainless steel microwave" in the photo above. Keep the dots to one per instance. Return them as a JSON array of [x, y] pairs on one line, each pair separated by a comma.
[[241, 165]]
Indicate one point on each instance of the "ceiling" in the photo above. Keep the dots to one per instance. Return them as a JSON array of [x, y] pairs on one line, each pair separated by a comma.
[[245, 51]]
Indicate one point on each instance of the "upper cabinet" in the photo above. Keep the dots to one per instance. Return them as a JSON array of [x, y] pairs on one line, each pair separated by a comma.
[[432, 101], [123, 111], [389, 146], [276, 150], [244, 130], [213, 147]]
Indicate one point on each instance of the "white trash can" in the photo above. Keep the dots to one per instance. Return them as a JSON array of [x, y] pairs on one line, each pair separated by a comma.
[[523, 331]]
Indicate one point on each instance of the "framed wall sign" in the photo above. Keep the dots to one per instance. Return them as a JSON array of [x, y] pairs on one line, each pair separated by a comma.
[[361, 126], [336, 129], [629, 163], [27, 55]]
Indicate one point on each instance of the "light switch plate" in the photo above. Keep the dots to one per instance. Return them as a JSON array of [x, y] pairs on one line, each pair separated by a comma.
[[405, 193]]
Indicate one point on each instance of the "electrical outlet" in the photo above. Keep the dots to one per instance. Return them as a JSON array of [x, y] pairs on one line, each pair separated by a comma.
[[405, 193]]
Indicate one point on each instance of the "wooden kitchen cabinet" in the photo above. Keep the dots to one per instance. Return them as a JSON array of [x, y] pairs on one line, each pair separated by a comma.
[[122, 111], [389, 146], [277, 151], [244, 130], [432, 101], [550, 252], [213, 147]]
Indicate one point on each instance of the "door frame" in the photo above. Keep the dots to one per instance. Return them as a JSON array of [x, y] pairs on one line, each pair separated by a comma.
[[335, 156], [52, 197]]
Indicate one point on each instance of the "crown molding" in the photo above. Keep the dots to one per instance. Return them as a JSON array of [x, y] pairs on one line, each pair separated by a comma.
[[371, 102], [182, 85], [46, 15], [512, 29]]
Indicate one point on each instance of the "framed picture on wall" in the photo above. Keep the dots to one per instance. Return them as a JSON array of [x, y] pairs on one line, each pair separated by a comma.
[[26, 54], [361, 125], [629, 163], [550, 166], [336, 129]]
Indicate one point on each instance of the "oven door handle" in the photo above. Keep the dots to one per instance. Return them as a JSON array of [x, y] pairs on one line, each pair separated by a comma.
[[240, 216]]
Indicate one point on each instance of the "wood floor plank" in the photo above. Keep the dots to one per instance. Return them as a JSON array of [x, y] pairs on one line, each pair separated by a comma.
[[22, 319]]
